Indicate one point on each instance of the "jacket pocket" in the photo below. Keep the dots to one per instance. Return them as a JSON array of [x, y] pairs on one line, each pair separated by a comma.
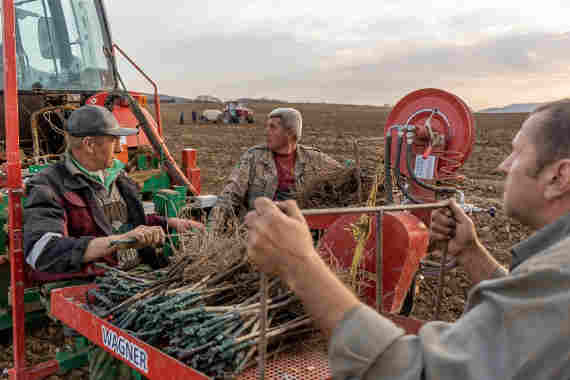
[[79, 219]]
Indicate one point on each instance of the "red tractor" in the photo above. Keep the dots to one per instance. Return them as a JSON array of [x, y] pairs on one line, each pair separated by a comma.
[[236, 113]]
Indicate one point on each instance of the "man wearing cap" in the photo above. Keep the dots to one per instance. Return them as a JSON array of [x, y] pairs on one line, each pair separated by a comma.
[[274, 170], [77, 207]]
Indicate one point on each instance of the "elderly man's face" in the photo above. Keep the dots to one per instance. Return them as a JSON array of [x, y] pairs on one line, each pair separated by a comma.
[[104, 148], [277, 136], [524, 189]]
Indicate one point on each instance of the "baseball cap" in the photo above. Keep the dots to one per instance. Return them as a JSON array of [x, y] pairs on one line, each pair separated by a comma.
[[92, 120]]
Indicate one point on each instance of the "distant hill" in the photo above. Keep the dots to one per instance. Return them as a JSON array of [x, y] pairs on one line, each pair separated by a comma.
[[260, 100], [168, 99], [207, 99], [513, 108]]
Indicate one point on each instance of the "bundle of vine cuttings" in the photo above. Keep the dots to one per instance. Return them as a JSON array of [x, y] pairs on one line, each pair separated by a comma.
[[204, 309], [338, 188]]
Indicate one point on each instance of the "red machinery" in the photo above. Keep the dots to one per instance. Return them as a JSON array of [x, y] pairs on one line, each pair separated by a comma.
[[428, 136], [79, 70], [444, 130]]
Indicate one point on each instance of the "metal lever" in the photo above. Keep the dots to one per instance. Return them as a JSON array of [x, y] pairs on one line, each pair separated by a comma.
[[123, 242], [472, 209]]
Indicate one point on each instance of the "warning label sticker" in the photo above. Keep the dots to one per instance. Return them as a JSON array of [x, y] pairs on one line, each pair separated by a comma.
[[425, 169]]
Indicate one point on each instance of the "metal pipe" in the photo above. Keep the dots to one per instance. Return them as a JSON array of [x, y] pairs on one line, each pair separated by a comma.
[[388, 167], [363, 210], [158, 116], [15, 189], [157, 142], [379, 262], [441, 280]]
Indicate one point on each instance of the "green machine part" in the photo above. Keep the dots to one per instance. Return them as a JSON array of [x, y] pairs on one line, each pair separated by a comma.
[[168, 203], [158, 181], [34, 308]]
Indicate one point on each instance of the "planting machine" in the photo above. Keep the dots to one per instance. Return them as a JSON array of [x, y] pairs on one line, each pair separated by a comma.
[[428, 136], [64, 58]]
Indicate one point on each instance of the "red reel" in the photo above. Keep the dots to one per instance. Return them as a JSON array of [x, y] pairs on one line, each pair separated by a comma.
[[451, 121]]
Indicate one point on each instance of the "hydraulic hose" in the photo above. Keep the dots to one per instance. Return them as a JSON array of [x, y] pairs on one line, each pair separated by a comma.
[[446, 190], [397, 168], [388, 167]]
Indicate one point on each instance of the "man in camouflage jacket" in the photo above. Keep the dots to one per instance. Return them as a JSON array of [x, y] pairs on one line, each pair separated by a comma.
[[275, 170]]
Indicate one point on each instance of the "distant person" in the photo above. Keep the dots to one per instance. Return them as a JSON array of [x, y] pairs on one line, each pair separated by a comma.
[[194, 116], [516, 325], [275, 169]]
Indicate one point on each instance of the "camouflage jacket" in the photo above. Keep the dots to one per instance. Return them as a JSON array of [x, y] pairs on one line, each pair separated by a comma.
[[256, 175]]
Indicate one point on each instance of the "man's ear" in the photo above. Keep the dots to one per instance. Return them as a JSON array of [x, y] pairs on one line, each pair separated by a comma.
[[558, 180]]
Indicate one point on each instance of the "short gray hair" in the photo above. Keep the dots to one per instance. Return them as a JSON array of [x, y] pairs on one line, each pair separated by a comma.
[[290, 119], [75, 142]]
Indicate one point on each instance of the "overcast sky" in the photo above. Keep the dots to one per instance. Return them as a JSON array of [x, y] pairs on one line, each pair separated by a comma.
[[489, 52]]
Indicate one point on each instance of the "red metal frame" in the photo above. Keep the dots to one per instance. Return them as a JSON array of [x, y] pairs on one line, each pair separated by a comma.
[[153, 83], [15, 192], [405, 243], [66, 305]]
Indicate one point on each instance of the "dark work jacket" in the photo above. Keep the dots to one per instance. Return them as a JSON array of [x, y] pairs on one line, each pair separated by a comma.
[[59, 202]]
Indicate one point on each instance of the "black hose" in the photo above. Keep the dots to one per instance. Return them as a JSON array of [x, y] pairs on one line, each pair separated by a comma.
[[397, 169], [447, 190], [388, 168]]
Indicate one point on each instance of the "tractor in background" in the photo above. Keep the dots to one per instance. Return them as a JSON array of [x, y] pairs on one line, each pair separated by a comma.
[[236, 113]]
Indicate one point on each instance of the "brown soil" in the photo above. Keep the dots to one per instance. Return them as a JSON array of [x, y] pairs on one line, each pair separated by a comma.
[[332, 128]]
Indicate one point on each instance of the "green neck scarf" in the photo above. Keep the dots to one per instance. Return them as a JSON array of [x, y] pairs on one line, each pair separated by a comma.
[[104, 177]]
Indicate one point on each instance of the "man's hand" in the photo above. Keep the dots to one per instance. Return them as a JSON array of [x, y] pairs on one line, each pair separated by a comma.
[[183, 225], [279, 242], [145, 236], [454, 225], [278, 235]]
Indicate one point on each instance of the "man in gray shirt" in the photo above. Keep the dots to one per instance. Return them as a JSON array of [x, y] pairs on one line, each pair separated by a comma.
[[515, 326]]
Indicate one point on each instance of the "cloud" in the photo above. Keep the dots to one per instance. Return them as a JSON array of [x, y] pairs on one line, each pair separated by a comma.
[[526, 67], [369, 52]]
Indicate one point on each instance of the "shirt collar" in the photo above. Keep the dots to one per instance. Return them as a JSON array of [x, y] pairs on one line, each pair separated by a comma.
[[103, 177], [541, 240]]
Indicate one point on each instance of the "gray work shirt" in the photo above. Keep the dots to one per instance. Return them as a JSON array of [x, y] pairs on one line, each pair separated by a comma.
[[514, 327]]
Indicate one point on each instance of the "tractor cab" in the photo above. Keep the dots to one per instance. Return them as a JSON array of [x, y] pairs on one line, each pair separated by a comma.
[[60, 45], [63, 57]]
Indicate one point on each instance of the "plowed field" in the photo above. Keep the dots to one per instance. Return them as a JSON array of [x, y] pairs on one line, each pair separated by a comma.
[[332, 128]]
